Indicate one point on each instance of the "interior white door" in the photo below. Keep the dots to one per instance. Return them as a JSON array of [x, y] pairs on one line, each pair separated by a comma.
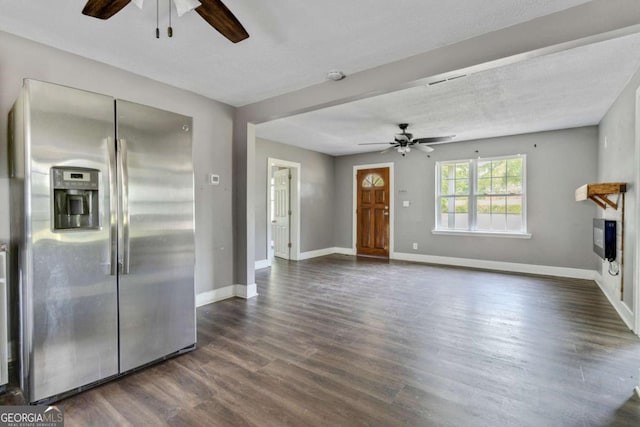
[[280, 230]]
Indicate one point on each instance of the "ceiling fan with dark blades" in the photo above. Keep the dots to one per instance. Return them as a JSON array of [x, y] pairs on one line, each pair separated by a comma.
[[213, 11], [403, 141]]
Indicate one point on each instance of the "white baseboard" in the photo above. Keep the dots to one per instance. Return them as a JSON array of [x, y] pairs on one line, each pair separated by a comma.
[[263, 263], [575, 273], [227, 292], [246, 291], [315, 254], [612, 295], [546, 270], [215, 295], [344, 251], [326, 251]]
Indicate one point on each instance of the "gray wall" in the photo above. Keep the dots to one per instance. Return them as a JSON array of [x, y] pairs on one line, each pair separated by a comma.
[[557, 163], [316, 195], [213, 124], [616, 163]]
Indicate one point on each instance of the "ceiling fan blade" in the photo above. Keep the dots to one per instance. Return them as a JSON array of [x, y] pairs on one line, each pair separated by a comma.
[[393, 147], [103, 9], [434, 139], [424, 148], [375, 143], [221, 18]]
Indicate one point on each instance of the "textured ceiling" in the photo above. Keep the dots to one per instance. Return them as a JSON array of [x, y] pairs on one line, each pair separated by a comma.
[[292, 45], [572, 88]]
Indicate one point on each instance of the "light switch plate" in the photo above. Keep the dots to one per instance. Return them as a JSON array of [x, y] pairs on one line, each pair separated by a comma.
[[406, 203]]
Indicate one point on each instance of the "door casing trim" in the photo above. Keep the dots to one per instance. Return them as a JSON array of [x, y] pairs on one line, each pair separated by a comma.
[[294, 206], [354, 224]]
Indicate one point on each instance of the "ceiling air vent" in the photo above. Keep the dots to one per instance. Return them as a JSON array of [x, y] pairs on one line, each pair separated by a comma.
[[437, 82]]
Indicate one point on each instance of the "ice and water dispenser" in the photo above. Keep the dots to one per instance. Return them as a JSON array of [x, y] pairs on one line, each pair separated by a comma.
[[75, 198]]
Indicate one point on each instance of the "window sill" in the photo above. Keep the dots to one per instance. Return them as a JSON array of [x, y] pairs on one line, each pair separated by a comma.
[[482, 234]]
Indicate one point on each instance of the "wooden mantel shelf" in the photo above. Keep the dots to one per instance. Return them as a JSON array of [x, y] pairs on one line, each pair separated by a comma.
[[598, 193]]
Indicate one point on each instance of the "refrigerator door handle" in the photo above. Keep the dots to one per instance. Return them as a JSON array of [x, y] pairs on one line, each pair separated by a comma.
[[124, 203], [113, 202]]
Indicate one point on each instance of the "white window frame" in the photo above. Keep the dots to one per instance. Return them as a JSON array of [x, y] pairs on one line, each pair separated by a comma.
[[472, 198]]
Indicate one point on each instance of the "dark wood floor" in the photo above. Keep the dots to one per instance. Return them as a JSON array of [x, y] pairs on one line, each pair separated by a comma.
[[345, 341]]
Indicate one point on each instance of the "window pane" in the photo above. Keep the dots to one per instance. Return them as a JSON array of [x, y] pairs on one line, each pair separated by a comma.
[[446, 204], [444, 221], [444, 171], [498, 222], [454, 213], [372, 180], [499, 168], [490, 213], [484, 186], [462, 186], [443, 204], [484, 169], [514, 205], [514, 184], [461, 222], [462, 170], [454, 221], [483, 205], [483, 222], [514, 167], [448, 186], [498, 205], [462, 205], [514, 222], [498, 185]]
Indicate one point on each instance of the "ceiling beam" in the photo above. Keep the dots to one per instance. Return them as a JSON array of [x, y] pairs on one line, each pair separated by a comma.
[[598, 20]]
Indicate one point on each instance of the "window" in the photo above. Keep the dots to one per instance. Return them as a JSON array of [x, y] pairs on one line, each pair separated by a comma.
[[484, 195], [372, 180]]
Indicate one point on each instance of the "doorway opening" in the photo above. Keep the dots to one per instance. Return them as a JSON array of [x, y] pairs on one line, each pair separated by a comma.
[[373, 210], [283, 209]]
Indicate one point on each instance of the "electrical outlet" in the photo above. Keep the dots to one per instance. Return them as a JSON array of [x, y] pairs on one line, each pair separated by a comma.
[[415, 246]]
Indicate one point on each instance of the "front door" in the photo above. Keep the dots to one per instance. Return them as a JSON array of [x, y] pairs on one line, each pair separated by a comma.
[[373, 212], [280, 230]]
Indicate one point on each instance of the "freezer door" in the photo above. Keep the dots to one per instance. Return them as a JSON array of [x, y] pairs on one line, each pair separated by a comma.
[[156, 250], [69, 296]]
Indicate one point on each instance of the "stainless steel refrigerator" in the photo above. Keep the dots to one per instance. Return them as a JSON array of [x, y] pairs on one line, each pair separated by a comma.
[[103, 228]]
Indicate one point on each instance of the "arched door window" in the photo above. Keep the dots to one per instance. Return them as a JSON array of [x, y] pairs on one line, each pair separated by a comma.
[[372, 180]]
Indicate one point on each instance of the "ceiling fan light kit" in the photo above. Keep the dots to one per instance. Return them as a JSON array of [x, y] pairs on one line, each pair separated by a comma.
[[404, 141], [182, 6]]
